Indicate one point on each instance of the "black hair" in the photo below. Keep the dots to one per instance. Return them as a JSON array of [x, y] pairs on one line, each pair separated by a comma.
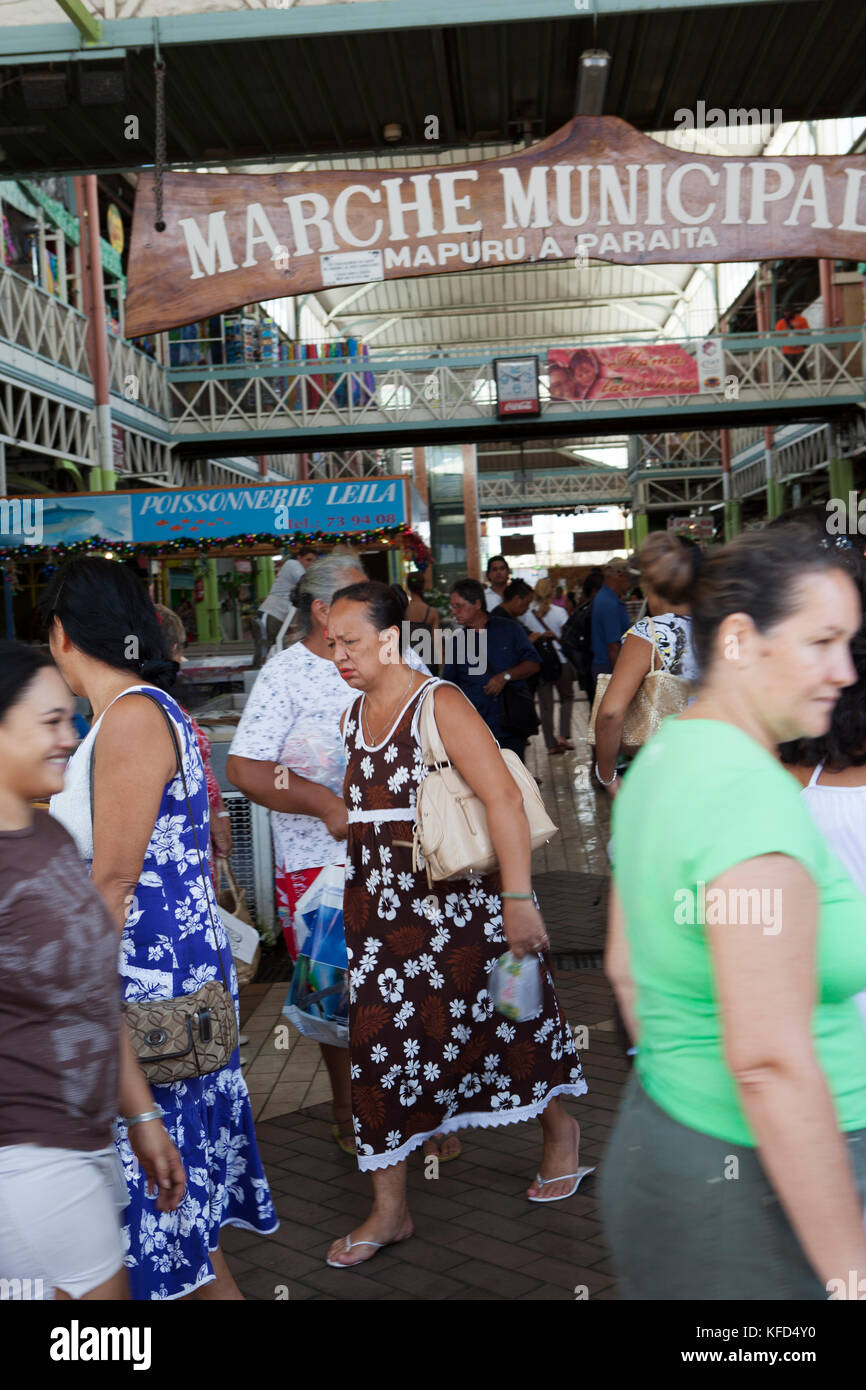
[[516, 588], [386, 604], [107, 613], [759, 574], [19, 665], [492, 559], [472, 590], [415, 583], [592, 583]]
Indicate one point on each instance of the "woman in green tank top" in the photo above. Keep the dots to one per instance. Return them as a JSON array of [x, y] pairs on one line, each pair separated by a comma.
[[736, 943]]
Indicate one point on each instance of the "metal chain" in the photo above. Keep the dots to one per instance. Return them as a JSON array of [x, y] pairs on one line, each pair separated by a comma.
[[160, 153]]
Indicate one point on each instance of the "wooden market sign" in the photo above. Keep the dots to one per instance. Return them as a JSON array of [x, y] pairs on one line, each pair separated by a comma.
[[596, 189]]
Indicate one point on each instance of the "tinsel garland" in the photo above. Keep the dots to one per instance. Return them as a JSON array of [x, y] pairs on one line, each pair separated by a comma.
[[55, 555]]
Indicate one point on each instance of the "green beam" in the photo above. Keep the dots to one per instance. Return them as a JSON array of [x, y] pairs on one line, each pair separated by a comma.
[[88, 25], [371, 16]]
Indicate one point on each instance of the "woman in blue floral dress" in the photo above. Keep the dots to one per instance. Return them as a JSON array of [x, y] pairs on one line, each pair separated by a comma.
[[140, 844]]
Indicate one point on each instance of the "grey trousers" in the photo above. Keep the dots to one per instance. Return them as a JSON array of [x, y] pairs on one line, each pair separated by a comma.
[[688, 1216], [565, 689]]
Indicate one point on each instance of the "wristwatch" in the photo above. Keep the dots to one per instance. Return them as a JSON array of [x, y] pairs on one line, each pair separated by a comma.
[[506, 675]]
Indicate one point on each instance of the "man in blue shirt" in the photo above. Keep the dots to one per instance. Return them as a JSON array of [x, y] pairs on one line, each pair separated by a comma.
[[509, 658], [609, 616]]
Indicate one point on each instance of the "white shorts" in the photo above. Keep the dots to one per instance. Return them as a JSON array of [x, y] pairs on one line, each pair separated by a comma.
[[59, 1220]]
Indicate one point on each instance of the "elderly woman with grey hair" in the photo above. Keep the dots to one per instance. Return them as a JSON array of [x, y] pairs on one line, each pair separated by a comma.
[[291, 723]]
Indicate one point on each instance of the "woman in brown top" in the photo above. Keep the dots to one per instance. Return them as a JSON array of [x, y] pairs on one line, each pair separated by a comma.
[[429, 1053], [65, 1061]]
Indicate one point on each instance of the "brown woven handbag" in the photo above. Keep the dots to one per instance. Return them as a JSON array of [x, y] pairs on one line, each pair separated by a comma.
[[192, 1034]]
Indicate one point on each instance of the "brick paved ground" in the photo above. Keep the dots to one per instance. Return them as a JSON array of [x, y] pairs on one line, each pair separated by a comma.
[[477, 1237]]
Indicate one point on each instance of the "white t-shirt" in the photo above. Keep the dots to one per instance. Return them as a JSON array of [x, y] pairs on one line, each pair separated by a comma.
[[278, 601], [491, 599], [555, 618], [292, 717]]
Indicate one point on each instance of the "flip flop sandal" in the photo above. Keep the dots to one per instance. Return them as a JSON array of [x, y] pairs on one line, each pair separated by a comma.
[[443, 1158], [545, 1182], [351, 1244], [345, 1142]]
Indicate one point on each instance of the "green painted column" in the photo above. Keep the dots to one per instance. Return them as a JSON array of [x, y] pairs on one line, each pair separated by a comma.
[[841, 478], [109, 480], [395, 567], [641, 529], [207, 612], [776, 498], [733, 518], [264, 576]]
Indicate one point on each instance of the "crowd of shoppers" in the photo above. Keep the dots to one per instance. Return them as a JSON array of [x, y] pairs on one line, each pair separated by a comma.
[[736, 944]]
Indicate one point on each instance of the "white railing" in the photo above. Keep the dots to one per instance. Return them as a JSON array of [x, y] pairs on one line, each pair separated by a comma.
[[42, 324], [136, 377], [416, 393]]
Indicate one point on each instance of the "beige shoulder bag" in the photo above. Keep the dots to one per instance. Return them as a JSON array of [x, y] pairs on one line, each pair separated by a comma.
[[659, 696], [451, 825]]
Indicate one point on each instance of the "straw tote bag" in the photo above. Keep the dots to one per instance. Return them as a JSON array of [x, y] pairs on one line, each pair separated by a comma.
[[451, 834], [659, 695]]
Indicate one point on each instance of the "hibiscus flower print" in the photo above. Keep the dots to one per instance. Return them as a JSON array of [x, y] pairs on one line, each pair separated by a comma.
[[199, 975], [457, 907], [483, 1006], [470, 1085], [556, 1047], [388, 904], [390, 986], [410, 1090], [504, 1101], [367, 768], [166, 844]]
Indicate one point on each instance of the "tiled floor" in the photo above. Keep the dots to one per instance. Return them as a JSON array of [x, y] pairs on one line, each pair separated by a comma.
[[476, 1235]]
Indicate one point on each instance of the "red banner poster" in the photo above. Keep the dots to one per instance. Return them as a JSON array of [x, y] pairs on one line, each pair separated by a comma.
[[598, 373]]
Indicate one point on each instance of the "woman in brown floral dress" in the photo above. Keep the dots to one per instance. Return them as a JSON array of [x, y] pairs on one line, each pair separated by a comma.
[[428, 1053]]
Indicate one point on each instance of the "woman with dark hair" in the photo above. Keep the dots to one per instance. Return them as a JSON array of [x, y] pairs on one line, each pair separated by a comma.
[[832, 769], [125, 806], [669, 566], [736, 945], [428, 1053], [66, 1062]]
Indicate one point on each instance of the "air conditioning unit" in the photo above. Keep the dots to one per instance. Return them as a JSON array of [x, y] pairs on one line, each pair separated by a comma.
[[253, 856]]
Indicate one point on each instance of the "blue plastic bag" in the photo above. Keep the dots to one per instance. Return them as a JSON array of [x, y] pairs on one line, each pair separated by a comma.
[[318, 1000]]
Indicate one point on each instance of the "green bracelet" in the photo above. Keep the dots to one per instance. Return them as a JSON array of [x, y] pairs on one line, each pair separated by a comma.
[[526, 896]]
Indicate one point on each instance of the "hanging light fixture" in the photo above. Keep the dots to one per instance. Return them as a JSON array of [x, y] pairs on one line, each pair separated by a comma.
[[593, 70]]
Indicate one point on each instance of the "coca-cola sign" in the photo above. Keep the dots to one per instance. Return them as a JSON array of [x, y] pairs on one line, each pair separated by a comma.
[[596, 189]]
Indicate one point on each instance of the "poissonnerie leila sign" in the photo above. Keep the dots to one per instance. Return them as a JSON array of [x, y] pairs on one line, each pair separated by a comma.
[[595, 188]]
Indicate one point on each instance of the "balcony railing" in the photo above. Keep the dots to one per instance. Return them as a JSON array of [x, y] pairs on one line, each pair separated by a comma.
[[42, 324], [374, 393]]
